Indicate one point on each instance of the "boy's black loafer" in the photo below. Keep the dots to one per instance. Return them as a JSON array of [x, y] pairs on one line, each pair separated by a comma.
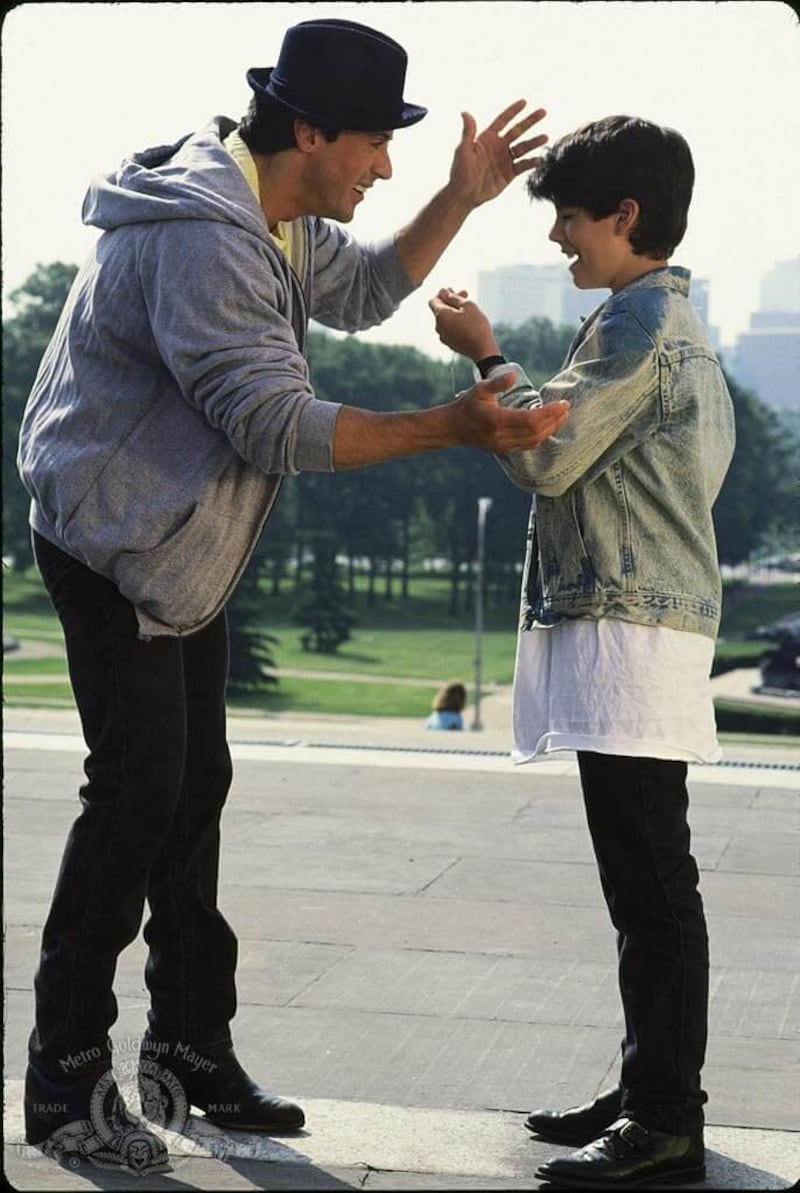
[[579, 1124], [628, 1155]]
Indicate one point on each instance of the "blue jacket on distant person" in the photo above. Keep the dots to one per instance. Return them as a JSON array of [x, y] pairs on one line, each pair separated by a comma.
[[445, 720]]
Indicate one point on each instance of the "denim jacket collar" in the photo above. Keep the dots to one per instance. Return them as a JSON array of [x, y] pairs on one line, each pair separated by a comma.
[[674, 276]]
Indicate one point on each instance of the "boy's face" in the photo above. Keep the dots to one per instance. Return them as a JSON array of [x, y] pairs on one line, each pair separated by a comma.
[[600, 249]]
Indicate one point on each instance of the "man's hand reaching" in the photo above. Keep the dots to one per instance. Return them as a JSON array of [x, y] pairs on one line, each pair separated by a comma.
[[480, 421], [474, 419]]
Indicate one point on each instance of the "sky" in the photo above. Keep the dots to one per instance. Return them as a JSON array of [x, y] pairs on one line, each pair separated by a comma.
[[85, 85]]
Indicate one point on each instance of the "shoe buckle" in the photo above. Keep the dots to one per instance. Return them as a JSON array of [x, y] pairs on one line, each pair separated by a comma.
[[634, 1134]]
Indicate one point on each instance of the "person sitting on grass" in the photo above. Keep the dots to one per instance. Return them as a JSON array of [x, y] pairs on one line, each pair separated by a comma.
[[448, 705]]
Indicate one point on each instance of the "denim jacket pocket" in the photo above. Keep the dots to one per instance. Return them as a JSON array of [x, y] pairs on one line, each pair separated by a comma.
[[567, 567]]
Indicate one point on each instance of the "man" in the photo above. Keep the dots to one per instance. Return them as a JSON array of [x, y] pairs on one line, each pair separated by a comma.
[[170, 403]]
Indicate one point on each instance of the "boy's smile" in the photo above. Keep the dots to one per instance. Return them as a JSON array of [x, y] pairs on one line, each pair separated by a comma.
[[600, 248]]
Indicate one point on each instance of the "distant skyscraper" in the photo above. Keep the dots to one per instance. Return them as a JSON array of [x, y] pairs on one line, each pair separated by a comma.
[[780, 289], [698, 297], [767, 355], [512, 294], [577, 304]]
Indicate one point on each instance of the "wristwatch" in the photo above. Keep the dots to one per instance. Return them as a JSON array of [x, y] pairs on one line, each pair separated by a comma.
[[488, 362]]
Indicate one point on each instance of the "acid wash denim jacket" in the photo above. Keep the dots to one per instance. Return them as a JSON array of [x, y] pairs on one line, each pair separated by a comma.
[[621, 521]]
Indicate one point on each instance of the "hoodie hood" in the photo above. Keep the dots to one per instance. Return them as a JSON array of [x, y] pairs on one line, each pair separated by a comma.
[[194, 179]]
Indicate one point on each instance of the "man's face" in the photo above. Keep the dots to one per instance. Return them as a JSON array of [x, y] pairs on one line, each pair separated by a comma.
[[339, 173], [600, 252]]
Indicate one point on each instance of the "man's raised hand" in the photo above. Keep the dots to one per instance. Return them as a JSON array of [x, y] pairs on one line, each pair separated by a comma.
[[484, 165]]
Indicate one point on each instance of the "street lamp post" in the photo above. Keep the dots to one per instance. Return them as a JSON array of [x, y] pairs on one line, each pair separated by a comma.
[[484, 505]]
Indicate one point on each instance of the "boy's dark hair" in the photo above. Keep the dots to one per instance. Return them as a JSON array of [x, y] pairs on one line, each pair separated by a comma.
[[623, 157], [268, 127]]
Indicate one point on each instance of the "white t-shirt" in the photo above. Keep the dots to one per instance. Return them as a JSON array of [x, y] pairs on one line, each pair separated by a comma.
[[614, 687]]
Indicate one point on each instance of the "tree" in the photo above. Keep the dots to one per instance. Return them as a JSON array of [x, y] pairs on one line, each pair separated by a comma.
[[380, 513], [36, 304], [759, 496], [370, 511], [453, 484], [323, 608], [250, 644], [537, 345]]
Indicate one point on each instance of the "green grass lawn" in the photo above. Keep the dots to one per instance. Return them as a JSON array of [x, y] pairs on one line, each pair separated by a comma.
[[338, 697], [409, 654], [419, 652], [781, 714], [745, 652], [41, 627], [47, 665], [292, 695], [746, 608], [34, 694], [414, 639]]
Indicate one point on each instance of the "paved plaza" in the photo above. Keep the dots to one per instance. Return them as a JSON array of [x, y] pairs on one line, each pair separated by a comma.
[[425, 955]]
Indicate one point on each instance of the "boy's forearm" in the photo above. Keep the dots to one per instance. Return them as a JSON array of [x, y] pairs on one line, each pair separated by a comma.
[[611, 412]]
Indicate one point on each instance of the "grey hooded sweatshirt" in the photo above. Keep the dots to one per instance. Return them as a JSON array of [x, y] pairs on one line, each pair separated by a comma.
[[175, 394]]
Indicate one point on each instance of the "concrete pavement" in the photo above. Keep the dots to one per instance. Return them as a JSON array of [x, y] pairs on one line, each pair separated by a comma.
[[425, 956]]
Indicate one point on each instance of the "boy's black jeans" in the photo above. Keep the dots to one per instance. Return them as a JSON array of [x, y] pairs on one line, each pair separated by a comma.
[[637, 813], [158, 772]]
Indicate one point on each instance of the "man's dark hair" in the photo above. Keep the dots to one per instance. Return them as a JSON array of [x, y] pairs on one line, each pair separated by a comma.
[[623, 157], [268, 127]]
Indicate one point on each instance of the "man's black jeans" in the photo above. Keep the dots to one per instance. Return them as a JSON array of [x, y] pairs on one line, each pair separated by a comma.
[[158, 772], [637, 813]]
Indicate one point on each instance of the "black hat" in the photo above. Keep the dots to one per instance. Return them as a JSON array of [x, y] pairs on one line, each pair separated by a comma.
[[337, 74]]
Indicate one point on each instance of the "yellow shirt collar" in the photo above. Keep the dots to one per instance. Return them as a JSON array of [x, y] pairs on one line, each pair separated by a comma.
[[282, 234]]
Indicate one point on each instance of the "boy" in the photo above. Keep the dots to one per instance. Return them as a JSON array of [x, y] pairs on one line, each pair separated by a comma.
[[620, 610]]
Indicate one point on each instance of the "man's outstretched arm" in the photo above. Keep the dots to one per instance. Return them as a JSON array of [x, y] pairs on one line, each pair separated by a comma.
[[474, 419]]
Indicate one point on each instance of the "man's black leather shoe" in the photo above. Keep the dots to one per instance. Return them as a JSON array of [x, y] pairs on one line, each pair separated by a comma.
[[579, 1124], [175, 1075], [629, 1155], [85, 1119]]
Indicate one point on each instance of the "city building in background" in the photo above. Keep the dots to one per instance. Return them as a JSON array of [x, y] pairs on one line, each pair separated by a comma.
[[512, 294], [698, 296], [766, 357]]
